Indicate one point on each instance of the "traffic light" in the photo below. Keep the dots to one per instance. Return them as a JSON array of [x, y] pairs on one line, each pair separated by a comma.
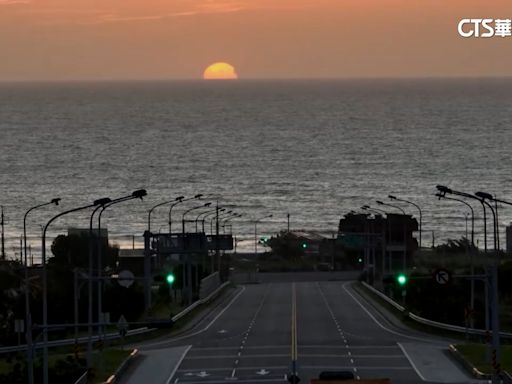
[[360, 260], [304, 245], [169, 278], [401, 279]]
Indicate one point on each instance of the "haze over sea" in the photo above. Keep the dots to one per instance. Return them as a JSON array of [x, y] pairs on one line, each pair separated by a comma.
[[315, 149]]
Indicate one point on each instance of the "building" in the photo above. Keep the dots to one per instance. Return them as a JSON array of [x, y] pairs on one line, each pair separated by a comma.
[[508, 233], [381, 245]]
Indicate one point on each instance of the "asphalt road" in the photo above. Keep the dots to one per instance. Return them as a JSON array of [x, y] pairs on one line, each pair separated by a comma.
[[252, 336]]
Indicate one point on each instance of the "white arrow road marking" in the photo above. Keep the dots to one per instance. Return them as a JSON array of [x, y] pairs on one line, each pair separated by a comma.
[[202, 374], [222, 331], [262, 372]]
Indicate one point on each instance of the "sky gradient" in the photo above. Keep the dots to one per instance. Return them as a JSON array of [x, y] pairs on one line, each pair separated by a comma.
[[178, 39]]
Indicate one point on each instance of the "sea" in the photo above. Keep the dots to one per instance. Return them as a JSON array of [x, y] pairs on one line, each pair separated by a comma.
[[310, 149]]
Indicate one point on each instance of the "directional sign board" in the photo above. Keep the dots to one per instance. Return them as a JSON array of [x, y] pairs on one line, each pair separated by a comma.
[[442, 276]]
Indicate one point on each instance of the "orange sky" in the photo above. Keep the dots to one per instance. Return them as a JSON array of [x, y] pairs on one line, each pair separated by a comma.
[[166, 39]]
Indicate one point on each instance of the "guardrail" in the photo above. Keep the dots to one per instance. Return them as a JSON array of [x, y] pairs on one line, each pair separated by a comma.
[[80, 340], [113, 335], [432, 323], [199, 302]]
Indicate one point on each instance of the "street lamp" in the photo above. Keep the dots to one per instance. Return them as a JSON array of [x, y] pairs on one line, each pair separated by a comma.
[[100, 203], [206, 205], [482, 197], [229, 218], [404, 261], [391, 205], [188, 278], [385, 230], [214, 212], [205, 214], [177, 200], [368, 208], [256, 233], [28, 315], [182, 200], [416, 205], [441, 196], [472, 288], [138, 194], [45, 282], [217, 217]]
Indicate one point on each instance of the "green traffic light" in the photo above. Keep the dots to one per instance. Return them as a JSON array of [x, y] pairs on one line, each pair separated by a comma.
[[170, 278], [304, 245], [402, 279]]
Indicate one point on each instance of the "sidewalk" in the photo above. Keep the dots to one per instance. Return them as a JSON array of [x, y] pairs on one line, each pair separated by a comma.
[[155, 367], [432, 363]]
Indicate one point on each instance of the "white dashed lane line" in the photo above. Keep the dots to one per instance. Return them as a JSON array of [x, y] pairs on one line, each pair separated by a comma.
[[340, 331]]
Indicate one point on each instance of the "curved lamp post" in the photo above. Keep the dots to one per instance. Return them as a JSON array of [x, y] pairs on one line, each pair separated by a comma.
[[472, 271], [404, 261], [45, 281], [205, 214], [175, 201], [138, 194], [482, 197], [195, 197], [28, 315], [205, 205], [218, 217], [209, 214], [414, 204]]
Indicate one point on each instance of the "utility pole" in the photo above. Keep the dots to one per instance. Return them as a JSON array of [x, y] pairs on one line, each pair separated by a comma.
[[3, 234]]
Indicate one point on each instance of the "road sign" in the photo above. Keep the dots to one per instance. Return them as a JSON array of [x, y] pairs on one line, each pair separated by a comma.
[[122, 323], [125, 278], [442, 276], [19, 326]]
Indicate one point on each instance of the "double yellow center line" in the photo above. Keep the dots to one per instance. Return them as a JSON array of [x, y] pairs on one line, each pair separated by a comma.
[[294, 329]]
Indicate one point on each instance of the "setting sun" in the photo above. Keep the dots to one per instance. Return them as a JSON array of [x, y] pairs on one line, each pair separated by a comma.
[[220, 71]]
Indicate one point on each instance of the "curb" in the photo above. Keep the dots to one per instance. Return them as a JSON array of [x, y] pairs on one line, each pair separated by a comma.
[[466, 364], [114, 378]]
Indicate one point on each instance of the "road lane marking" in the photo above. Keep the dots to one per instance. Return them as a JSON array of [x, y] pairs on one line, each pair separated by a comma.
[[248, 331], [429, 341], [294, 349], [260, 380], [333, 316], [171, 340], [411, 362], [177, 365], [249, 368]]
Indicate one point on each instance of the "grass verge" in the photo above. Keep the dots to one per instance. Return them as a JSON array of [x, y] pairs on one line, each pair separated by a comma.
[[477, 355], [406, 320]]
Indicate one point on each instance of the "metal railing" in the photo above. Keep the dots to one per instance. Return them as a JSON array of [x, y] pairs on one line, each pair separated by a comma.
[[432, 323]]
